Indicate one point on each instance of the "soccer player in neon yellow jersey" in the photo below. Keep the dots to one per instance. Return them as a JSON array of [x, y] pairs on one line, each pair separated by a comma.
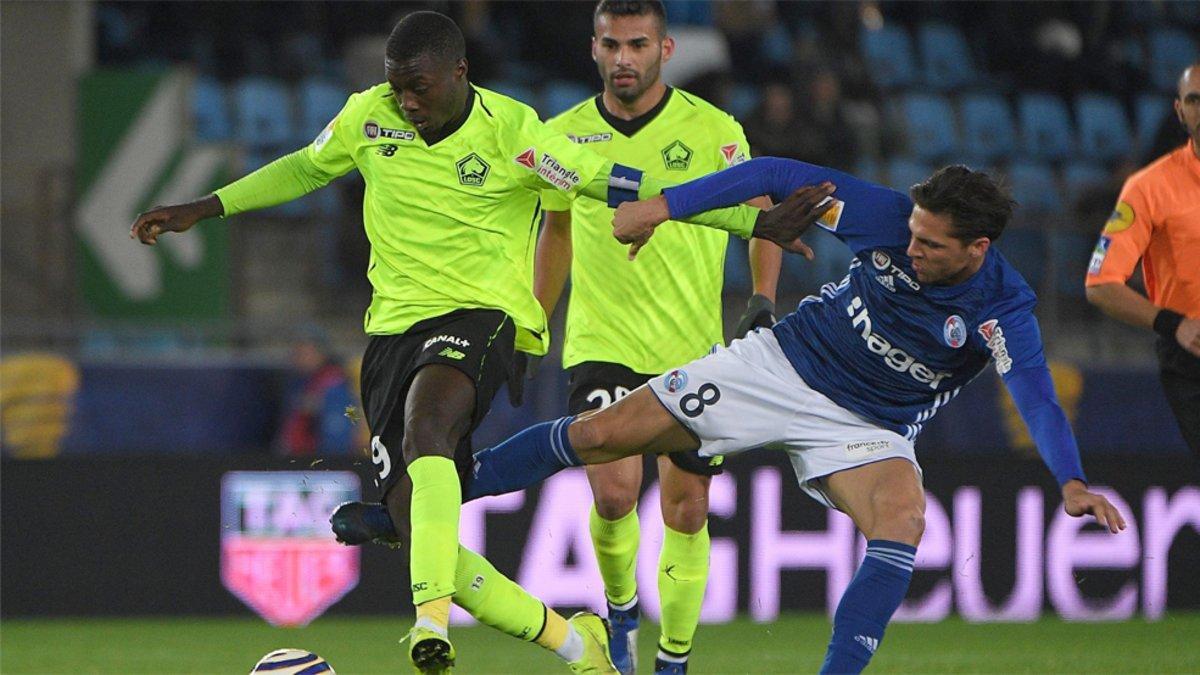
[[454, 174], [628, 321]]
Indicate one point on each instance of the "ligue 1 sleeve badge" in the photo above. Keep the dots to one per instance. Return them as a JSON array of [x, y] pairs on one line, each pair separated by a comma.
[[676, 381], [955, 331]]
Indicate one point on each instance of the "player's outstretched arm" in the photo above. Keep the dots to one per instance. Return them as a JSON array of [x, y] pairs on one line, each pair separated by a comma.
[[784, 224], [1032, 390], [174, 218]]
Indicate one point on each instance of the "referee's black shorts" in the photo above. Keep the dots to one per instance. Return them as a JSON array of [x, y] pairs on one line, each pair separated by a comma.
[[598, 384], [1179, 372], [478, 342]]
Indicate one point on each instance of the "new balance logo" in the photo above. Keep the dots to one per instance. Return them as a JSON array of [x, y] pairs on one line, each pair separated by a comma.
[[869, 642]]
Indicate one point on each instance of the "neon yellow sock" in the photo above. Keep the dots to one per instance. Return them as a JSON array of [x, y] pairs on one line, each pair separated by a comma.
[[436, 501], [495, 600], [616, 544], [682, 576], [554, 634]]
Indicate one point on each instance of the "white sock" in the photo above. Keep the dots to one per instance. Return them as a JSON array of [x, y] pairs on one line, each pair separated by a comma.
[[625, 607], [572, 649], [426, 622]]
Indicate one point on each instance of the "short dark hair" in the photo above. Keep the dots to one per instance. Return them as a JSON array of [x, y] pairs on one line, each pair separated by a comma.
[[633, 8], [977, 205], [426, 33]]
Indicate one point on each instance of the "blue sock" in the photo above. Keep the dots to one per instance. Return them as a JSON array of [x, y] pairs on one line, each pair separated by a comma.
[[872, 597], [531, 456]]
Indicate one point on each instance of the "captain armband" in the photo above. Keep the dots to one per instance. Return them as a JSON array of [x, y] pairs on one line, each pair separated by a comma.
[[623, 185]]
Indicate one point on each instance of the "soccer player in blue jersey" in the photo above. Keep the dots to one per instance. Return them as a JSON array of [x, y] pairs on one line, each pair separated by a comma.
[[846, 382]]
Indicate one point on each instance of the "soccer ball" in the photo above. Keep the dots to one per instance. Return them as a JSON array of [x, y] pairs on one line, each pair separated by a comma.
[[292, 662]]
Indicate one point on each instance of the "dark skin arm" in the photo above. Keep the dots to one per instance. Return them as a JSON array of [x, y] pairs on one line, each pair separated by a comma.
[[174, 218]]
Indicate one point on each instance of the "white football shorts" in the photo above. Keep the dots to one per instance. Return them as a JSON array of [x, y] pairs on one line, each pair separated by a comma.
[[748, 395]]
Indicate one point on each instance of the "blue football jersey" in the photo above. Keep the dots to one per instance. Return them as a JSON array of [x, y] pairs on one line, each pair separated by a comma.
[[890, 348], [884, 345]]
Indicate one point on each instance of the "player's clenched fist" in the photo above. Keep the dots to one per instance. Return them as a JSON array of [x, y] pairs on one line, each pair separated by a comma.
[[785, 223], [175, 218]]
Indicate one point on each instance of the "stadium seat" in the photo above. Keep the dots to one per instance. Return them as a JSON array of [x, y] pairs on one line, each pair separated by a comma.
[[931, 129], [1046, 131], [1070, 253], [905, 172], [743, 100], [868, 169], [777, 45], [1025, 248], [888, 52], [945, 59], [1081, 176], [263, 113], [516, 90], [1104, 133], [1149, 112], [320, 101], [210, 110], [1034, 187], [559, 96], [1171, 50], [988, 129]]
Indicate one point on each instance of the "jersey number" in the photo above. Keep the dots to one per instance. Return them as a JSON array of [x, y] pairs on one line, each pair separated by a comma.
[[693, 405], [605, 399], [380, 458]]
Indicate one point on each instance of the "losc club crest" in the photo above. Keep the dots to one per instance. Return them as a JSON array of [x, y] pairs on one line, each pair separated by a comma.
[[472, 170], [278, 554], [677, 156]]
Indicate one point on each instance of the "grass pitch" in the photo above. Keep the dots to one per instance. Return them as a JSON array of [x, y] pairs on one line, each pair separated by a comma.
[[793, 644]]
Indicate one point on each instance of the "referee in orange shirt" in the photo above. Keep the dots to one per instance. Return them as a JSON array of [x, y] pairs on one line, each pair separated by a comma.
[[1157, 220]]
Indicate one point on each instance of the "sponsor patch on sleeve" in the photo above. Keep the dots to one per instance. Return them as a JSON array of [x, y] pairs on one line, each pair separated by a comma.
[[1120, 220], [1098, 254], [556, 174], [527, 159], [323, 137], [732, 154], [830, 219], [993, 335]]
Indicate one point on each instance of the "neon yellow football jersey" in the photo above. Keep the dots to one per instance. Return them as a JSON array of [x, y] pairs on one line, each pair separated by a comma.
[[664, 308], [452, 225]]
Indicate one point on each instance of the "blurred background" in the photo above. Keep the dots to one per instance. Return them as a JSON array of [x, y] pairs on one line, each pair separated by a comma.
[[236, 345]]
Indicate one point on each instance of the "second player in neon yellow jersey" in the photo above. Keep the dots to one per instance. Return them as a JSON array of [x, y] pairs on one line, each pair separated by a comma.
[[664, 308], [630, 320]]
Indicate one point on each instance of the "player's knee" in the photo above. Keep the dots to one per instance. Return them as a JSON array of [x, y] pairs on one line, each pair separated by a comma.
[[898, 519], [432, 435], [588, 435], [687, 516], [615, 502]]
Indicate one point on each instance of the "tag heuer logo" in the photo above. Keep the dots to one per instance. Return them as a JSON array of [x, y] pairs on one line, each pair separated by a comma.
[[472, 170], [677, 156]]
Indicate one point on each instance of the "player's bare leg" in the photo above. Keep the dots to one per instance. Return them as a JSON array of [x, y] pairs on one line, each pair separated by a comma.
[[887, 503], [638, 424], [437, 414]]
